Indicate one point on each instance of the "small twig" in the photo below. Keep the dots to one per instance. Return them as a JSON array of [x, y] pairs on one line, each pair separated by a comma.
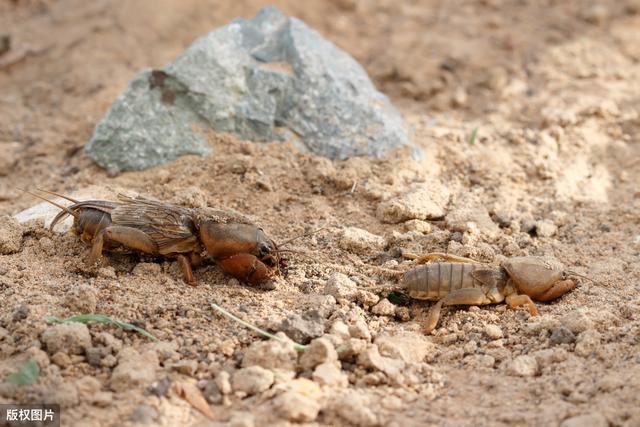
[[298, 347]]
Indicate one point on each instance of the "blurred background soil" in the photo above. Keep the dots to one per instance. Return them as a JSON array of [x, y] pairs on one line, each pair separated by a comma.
[[552, 90]]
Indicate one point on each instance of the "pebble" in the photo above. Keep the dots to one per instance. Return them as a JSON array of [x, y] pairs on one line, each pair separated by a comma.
[[410, 347], [523, 366], [371, 359], [252, 380], [594, 419], [561, 335], [480, 360], [587, 343], [10, 235], [271, 354], [353, 407], [303, 329], [367, 299], [134, 369], [185, 367], [82, 299], [341, 287], [340, 329], [360, 329], [493, 332], [577, 321], [296, 407], [545, 228], [61, 359], [166, 351], [20, 313], [70, 338], [418, 225], [320, 350], [94, 355], [384, 308], [330, 375], [223, 381], [469, 214], [422, 202], [360, 241], [144, 414]]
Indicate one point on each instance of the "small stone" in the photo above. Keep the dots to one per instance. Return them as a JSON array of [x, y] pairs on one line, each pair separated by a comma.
[[593, 419], [185, 367], [360, 241], [64, 394], [561, 335], [480, 360], [367, 299], [587, 343], [545, 228], [340, 287], [160, 388], [109, 341], [577, 321], [109, 361], [10, 235], [94, 356], [296, 407], [223, 382], [144, 414], [61, 359], [82, 299], [252, 380], [101, 399], [384, 308], [470, 347], [470, 214], [341, 330], [372, 359], [410, 347], [87, 386], [320, 350], [134, 369], [360, 329], [354, 407], [167, 350], [493, 332], [523, 366], [422, 202], [148, 269], [303, 329], [417, 225], [330, 375], [70, 338], [271, 354], [20, 313], [211, 392]]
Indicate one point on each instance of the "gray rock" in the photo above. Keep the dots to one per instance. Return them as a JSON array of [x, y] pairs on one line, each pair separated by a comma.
[[561, 335], [262, 79], [303, 329]]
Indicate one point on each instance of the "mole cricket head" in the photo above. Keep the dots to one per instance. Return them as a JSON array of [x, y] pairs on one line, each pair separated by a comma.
[[532, 275]]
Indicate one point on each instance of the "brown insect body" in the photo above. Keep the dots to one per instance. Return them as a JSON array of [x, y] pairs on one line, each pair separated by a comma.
[[135, 224], [518, 281]]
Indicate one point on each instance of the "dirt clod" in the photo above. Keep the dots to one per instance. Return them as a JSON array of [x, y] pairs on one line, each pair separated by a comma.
[[10, 235], [296, 407], [251, 380], [70, 338], [82, 299], [133, 369]]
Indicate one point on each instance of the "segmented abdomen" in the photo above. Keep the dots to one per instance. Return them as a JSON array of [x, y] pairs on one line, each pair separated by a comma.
[[435, 280]]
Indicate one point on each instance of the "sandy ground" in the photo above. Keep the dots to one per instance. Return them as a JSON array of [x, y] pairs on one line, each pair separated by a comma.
[[553, 89]]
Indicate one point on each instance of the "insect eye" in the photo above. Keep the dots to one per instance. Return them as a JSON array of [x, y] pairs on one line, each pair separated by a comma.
[[264, 248]]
